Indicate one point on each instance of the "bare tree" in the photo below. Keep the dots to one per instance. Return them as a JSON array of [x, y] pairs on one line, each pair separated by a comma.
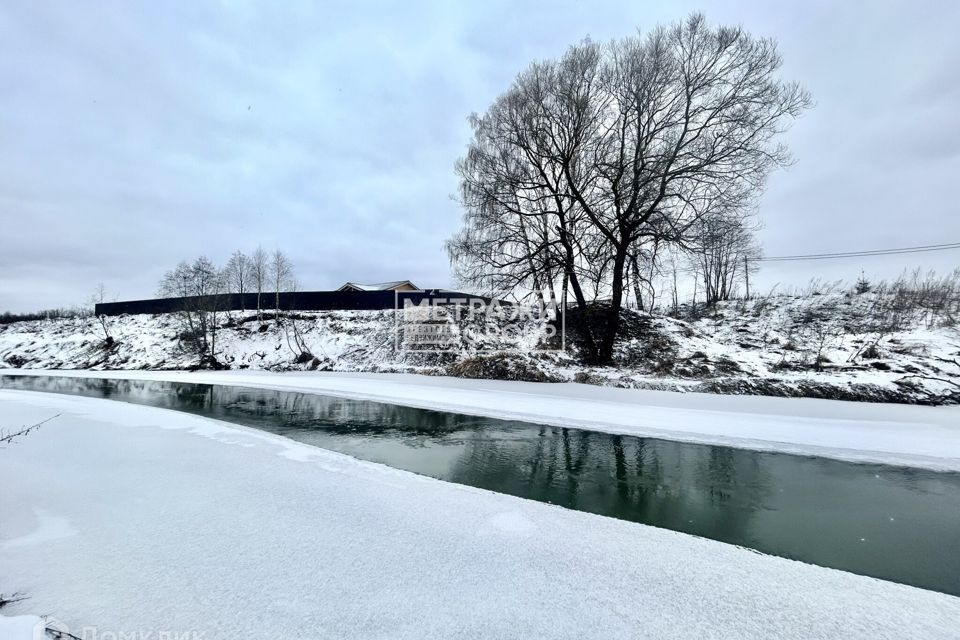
[[644, 267], [296, 340], [179, 283], [99, 296], [259, 276], [723, 251], [674, 288], [281, 276], [206, 282], [619, 145], [823, 332], [198, 285], [237, 275]]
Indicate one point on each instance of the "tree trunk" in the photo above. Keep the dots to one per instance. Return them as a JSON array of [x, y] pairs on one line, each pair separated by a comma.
[[571, 275], [612, 327], [637, 283]]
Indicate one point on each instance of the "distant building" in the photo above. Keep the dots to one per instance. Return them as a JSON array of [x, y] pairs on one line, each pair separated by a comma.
[[399, 285]]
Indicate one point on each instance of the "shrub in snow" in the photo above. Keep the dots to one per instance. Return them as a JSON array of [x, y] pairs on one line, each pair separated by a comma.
[[871, 352], [500, 366], [16, 361]]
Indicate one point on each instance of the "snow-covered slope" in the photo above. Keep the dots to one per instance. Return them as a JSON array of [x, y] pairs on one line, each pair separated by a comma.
[[828, 346]]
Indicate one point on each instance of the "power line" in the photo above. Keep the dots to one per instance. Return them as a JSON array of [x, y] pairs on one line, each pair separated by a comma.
[[857, 254], [826, 256]]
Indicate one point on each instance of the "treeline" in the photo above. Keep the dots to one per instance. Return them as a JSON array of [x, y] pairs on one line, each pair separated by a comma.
[[259, 272], [77, 311], [201, 282], [596, 168], [48, 314]]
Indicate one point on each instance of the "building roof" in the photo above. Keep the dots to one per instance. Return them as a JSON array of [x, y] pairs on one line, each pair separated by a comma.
[[378, 286]]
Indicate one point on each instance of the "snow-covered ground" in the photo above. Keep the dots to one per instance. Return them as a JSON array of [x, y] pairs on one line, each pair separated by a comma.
[[918, 436], [126, 519], [836, 345]]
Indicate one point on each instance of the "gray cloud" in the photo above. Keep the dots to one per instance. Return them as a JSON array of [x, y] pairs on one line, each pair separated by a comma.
[[132, 136]]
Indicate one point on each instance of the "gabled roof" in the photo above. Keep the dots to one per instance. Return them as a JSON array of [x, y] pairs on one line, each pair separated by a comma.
[[378, 286]]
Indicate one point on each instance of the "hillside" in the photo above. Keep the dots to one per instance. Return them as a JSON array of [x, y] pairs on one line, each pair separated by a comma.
[[835, 345]]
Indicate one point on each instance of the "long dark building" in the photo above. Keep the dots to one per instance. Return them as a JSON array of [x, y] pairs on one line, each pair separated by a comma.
[[345, 299]]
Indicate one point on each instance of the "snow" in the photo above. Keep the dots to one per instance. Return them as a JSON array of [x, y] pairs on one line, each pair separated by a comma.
[[170, 522], [49, 527], [907, 435], [18, 627]]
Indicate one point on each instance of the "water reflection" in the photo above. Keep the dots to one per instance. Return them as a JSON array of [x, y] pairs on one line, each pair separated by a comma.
[[894, 523]]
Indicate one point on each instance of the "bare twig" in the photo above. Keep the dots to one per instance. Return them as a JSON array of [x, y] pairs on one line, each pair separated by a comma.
[[16, 596], [59, 634], [7, 437]]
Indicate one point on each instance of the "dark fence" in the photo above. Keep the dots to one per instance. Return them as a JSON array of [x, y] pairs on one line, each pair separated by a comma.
[[289, 301]]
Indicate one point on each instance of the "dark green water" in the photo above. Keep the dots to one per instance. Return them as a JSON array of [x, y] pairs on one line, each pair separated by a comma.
[[895, 523]]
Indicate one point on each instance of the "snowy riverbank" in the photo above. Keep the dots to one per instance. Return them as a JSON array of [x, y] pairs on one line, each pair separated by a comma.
[[134, 519], [920, 436], [836, 345]]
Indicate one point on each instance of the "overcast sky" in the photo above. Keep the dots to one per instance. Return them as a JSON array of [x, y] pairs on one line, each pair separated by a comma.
[[133, 135]]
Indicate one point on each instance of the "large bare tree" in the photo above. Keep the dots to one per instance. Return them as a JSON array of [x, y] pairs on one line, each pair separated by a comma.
[[589, 161], [198, 284]]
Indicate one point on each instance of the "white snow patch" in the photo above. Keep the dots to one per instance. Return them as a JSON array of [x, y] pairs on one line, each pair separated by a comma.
[[18, 627], [508, 523], [49, 527]]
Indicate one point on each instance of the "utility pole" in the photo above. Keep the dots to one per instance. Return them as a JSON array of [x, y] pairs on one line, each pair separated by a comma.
[[746, 273]]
